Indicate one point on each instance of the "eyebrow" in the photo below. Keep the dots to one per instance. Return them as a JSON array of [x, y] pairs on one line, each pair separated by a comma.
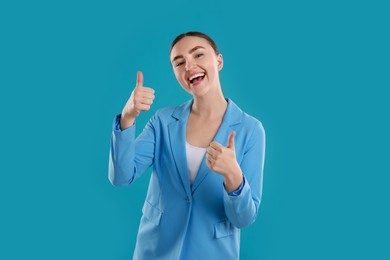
[[191, 51]]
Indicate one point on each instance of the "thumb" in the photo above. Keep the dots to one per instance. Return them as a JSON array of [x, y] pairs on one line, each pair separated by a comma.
[[231, 140], [140, 79]]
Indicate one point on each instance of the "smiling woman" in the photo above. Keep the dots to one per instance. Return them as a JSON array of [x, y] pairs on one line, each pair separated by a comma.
[[195, 57], [207, 157]]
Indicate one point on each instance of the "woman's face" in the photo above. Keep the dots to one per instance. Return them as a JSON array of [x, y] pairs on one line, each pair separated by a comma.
[[196, 66]]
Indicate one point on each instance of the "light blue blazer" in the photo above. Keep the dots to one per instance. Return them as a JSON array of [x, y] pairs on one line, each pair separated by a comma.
[[180, 220]]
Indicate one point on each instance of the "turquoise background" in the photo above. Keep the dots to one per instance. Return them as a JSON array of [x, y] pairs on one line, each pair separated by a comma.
[[316, 73]]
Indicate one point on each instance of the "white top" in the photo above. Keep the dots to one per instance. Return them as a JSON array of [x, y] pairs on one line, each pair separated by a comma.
[[194, 159]]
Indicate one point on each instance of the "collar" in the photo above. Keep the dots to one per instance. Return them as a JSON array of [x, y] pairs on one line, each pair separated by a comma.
[[233, 114]]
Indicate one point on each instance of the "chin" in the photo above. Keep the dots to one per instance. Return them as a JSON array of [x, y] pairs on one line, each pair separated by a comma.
[[200, 92]]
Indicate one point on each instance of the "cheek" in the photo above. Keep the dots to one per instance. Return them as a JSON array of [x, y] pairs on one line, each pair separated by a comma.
[[212, 65], [212, 71], [181, 80], [177, 75]]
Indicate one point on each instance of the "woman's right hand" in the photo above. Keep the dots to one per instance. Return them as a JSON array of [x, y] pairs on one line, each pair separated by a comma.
[[140, 100]]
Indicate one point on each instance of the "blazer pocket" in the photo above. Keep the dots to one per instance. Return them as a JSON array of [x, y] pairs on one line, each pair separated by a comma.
[[224, 229], [152, 213]]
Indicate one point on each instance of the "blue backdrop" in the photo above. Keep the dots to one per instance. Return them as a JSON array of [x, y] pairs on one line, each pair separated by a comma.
[[316, 73]]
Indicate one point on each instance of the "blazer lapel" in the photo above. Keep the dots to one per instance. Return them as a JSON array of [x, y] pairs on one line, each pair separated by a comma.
[[177, 136], [221, 137], [232, 117]]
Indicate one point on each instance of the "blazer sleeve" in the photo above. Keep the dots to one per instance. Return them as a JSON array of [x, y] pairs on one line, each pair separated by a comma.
[[129, 157], [242, 210]]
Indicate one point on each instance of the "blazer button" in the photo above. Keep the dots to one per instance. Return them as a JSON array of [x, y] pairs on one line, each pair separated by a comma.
[[188, 200]]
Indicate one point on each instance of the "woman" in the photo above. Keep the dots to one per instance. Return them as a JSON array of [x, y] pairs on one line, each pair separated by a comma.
[[207, 158]]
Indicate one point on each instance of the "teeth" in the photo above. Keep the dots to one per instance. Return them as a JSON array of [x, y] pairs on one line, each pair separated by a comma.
[[196, 75]]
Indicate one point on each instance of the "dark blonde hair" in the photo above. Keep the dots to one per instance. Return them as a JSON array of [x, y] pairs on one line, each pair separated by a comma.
[[196, 34]]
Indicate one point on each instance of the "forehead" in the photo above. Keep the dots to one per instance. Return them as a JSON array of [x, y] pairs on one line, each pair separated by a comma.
[[187, 43]]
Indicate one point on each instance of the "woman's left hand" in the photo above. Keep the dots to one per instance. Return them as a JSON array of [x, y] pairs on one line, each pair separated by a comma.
[[222, 160]]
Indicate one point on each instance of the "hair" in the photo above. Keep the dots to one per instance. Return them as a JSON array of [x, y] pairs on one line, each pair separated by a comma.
[[196, 34]]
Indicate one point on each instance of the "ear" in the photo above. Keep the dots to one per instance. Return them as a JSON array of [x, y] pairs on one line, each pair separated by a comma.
[[220, 61]]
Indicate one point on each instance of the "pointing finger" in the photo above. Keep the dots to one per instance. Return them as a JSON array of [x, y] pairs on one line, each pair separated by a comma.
[[149, 90], [216, 146]]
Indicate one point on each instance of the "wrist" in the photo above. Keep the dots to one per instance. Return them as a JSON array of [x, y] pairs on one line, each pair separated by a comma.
[[233, 181], [126, 121]]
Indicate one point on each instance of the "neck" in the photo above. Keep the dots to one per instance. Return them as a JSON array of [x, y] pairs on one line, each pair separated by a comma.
[[210, 105]]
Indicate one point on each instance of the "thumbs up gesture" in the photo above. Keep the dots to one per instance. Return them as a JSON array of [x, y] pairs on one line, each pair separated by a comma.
[[222, 160], [140, 100]]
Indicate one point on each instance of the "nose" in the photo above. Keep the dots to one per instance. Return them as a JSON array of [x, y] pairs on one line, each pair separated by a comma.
[[189, 64]]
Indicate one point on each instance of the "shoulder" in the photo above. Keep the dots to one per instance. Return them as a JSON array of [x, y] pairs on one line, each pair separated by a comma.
[[251, 120], [250, 132], [255, 124], [167, 114], [165, 111], [247, 121], [254, 130]]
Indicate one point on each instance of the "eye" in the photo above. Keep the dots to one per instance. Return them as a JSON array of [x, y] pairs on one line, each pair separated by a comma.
[[199, 55], [179, 64]]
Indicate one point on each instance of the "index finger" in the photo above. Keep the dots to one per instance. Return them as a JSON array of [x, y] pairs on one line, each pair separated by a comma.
[[216, 146], [149, 90]]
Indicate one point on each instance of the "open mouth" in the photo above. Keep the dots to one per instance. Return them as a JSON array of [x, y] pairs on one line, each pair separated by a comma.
[[195, 79]]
